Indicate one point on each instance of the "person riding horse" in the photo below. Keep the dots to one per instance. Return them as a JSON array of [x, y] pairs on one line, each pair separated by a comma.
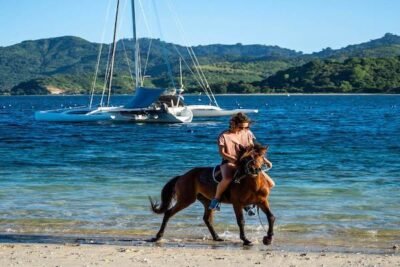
[[231, 143], [183, 190]]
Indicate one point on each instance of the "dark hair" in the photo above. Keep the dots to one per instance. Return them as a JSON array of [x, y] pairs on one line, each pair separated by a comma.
[[239, 118]]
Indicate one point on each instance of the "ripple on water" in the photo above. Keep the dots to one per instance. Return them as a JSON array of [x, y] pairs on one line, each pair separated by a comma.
[[335, 163]]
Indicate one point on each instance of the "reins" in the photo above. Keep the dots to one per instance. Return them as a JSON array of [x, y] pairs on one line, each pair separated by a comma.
[[259, 218], [247, 171]]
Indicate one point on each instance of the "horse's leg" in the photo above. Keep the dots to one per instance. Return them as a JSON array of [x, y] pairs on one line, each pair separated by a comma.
[[180, 205], [208, 217], [271, 220], [240, 221]]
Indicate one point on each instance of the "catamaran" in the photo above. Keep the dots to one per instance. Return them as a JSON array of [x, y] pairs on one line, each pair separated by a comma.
[[148, 104], [145, 106]]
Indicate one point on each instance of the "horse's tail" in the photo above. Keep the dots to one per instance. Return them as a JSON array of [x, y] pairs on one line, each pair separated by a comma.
[[167, 194]]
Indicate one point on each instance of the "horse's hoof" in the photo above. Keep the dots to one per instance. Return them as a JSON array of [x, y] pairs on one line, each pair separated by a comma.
[[218, 239], [153, 240], [247, 243], [267, 240]]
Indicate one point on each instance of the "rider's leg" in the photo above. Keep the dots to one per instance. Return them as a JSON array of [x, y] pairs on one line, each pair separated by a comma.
[[270, 182], [227, 171]]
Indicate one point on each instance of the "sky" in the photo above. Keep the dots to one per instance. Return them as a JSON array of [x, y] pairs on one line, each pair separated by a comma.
[[301, 25]]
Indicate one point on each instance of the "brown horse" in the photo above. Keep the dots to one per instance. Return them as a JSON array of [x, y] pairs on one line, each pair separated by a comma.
[[252, 189]]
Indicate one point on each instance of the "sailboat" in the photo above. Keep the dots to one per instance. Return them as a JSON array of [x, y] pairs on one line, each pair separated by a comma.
[[145, 106]]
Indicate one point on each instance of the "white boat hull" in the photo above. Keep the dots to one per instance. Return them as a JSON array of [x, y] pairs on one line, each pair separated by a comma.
[[116, 114], [213, 111], [83, 114]]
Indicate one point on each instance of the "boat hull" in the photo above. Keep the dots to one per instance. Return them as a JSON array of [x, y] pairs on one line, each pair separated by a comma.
[[116, 114], [213, 111], [72, 115]]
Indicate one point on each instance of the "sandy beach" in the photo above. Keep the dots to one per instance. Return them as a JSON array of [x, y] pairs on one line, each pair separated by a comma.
[[111, 255]]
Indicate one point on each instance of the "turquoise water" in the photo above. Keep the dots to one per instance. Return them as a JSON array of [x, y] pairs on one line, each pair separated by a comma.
[[336, 165]]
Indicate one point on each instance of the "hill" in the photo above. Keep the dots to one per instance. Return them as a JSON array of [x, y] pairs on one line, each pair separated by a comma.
[[68, 63], [354, 75], [387, 46]]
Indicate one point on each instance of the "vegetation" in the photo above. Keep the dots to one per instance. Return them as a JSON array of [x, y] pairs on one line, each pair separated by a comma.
[[67, 65], [354, 75]]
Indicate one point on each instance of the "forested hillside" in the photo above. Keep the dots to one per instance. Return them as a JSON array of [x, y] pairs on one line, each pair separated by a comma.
[[354, 75], [67, 65]]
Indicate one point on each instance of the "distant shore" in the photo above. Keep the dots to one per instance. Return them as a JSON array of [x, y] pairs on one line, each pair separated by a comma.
[[253, 94]]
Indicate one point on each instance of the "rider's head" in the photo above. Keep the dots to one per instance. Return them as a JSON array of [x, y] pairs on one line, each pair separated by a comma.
[[239, 121]]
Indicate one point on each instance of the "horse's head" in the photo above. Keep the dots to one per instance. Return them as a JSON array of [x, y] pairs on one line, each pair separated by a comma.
[[252, 159]]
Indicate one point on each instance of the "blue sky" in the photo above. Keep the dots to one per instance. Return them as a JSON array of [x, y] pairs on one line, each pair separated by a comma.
[[302, 25]]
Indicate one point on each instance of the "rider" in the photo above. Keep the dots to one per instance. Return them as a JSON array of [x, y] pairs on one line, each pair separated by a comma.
[[230, 143]]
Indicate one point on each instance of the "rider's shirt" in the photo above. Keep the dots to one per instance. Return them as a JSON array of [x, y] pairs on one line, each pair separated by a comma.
[[233, 143]]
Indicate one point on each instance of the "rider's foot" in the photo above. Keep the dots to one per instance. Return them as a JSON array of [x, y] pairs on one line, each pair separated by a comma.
[[250, 210], [214, 205]]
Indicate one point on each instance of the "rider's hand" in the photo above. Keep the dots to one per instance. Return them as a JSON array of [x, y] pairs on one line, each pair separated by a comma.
[[268, 163]]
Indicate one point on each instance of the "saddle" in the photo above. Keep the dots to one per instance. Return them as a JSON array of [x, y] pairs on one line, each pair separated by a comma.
[[211, 176], [214, 176]]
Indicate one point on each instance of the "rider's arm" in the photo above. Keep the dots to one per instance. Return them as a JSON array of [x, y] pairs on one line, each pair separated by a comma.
[[226, 156]]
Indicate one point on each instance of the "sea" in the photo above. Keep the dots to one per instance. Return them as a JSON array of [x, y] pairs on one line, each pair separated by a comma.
[[336, 164]]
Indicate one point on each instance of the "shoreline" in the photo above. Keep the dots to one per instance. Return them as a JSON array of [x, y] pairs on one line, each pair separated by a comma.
[[279, 244], [70, 254], [233, 94]]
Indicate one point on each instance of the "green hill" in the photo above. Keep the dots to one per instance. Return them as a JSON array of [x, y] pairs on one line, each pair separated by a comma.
[[387, 46], [355, 75], [67, 64]]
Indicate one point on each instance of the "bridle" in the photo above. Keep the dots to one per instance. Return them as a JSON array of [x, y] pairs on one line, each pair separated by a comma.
[[246, 170], [251, 170]]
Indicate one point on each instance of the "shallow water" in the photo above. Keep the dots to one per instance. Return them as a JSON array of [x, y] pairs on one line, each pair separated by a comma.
[[336, 165]]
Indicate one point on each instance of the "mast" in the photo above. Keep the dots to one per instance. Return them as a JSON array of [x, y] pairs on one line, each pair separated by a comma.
[[180, 72], [113, 54], [136, 45]]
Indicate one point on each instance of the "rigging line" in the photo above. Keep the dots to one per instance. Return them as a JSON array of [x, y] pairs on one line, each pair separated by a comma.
[[127, 61], [123, 43], [147, 60], [95, 76], [197, 68], [212, 99], [187, 65], [189, 68], [140, 74], [149, 32], [121, 18], [182, 34], [163, 46], [198, 76], [99, 54], [113, 54], [205, 86], [106, 76], [135, 45]]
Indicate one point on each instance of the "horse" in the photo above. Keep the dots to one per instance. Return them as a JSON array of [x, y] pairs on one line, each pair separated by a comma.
[[253, 189]]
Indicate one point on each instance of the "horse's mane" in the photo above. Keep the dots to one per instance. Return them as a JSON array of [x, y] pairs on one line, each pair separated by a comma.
[[257, 149]]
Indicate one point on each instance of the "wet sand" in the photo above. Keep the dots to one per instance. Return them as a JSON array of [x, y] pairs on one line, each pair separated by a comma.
[[73, 254]]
